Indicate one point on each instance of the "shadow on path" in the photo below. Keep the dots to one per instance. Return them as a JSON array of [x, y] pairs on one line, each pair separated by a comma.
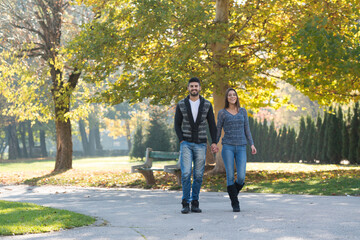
[[34, 181]]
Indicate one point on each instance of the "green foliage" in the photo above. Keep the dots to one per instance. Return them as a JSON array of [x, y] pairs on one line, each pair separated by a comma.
[[354, 134], [138, 144], [310, 140], [24, 218], [300, 141], [335, 137], [346, 136], [158, 136], [324, 58], [324, 142], [320, 136], [142, 44]]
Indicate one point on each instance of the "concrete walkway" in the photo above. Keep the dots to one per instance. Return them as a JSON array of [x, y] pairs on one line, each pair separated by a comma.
[[145, 214]]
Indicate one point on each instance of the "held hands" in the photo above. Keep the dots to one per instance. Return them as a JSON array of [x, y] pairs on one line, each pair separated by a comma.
[[214, 148]]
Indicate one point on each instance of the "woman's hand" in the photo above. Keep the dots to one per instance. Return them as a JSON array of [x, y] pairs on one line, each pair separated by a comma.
[[253, 149], [214, 148]]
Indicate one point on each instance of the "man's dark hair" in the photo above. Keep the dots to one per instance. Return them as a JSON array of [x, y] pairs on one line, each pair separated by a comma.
[[194, 79]]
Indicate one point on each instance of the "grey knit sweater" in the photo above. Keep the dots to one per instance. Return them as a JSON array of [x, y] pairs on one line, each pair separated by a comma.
[[194, 131], [236, 128]]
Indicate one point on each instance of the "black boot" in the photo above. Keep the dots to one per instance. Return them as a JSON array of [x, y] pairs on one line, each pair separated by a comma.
[[186, 208], [239, 186], [195, 206], [232, 191]]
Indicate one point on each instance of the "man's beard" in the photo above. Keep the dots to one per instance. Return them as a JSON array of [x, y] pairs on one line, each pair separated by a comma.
[[194, 93]]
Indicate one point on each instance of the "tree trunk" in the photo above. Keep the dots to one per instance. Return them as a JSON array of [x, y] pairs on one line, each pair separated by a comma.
[[84, 139], [16, 139], [128, 134], [12, 141], [99, 147], [219, 50], [92, 142], [61, 96], [22, 129], [92, 145], [63, 145], [31, 138], [2, 148], [43, 143], [210, 159]]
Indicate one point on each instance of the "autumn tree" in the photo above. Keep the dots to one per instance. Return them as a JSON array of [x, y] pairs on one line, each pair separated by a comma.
[[33, 59], [153, 47], [322, 57]]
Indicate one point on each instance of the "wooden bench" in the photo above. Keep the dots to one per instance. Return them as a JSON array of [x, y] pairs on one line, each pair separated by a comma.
[[147, 169]]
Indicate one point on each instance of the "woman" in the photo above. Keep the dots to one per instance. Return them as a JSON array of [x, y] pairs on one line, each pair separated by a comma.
[[234, 120]]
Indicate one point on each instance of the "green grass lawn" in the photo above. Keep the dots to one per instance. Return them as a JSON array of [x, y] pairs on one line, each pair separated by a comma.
[[22, 218], [290, 178]]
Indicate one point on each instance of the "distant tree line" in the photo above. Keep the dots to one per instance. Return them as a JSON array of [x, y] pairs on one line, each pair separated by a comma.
[[22, 139], [330, 139]]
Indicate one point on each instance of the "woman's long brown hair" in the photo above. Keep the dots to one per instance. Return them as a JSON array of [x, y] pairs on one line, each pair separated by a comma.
[[226, 98]]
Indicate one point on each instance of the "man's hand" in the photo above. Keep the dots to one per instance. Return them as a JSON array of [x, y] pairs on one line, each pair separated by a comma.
[[214, 148]]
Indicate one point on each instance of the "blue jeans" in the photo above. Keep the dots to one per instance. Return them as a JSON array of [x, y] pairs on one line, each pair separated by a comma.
[[192, 153], [230, 153]]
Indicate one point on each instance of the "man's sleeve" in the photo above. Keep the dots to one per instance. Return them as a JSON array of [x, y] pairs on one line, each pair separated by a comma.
[[212, 124], [178, 122]]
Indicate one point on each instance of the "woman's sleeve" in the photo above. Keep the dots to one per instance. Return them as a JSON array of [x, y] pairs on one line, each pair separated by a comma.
[[247, 128], [219, 125]]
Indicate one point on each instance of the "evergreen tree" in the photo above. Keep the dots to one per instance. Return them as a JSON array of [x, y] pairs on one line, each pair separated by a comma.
[[255, 133], [315, 137], [310, 134], [324, 158], [339, 122], [300, 141], [290, 144], [272, 139], [320, 137], [346, 136], [158, 137], [354, 135], [283, 151], [277, 147], [265, 143], [138, 145], [334, 136]]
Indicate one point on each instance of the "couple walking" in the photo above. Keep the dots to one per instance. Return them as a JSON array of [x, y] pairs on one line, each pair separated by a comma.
[[192, 116]]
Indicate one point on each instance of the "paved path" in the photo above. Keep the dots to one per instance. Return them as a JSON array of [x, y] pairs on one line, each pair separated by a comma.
[[146, 214]]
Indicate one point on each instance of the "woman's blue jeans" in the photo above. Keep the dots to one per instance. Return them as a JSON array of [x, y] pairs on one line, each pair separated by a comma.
[[192, 153], [237, 153]]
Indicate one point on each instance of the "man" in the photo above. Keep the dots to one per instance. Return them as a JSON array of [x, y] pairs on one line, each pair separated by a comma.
[[191, 118]]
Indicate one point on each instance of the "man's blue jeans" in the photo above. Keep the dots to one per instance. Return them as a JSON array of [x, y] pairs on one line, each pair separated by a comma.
[[230, 153], [192, 153]]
